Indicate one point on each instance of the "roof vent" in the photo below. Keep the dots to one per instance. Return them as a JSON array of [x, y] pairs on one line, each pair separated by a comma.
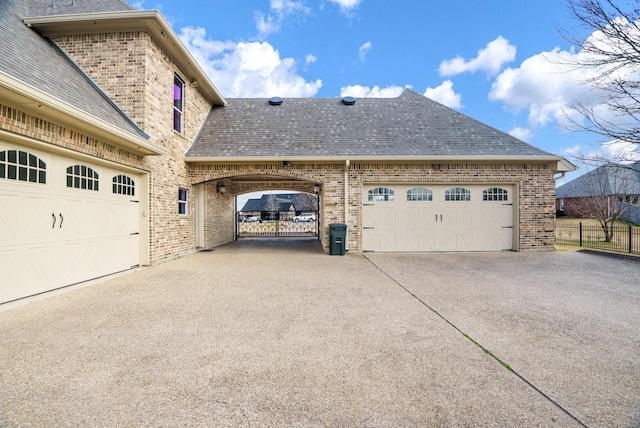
[[348, 101], [275, 101]]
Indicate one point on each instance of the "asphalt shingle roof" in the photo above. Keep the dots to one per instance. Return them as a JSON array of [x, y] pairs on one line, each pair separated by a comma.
[[66, 7], [409, 125], [609, 179], [34, 60], [301, 202]]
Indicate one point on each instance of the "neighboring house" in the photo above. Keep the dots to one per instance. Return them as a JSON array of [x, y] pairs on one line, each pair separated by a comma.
[[288, 202], [116, 150], [268, 210], [614, 187]]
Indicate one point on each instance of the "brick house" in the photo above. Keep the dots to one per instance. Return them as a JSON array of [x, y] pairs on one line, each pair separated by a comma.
[[610, 190], [114, 146]]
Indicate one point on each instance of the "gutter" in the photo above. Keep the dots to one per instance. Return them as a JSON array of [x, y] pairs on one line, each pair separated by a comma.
[[561, 164]]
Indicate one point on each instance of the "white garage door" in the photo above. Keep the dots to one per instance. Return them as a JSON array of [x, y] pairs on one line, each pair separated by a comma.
[[63, 221], [427, 217]]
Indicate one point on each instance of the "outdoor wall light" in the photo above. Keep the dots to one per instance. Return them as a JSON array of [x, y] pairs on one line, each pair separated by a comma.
[[220, 188], [316, 188], [285, 164]]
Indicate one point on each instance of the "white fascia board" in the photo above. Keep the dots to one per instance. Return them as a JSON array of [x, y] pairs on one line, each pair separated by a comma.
[[342, 159], [565, 166], [150, 21], [39, 103]]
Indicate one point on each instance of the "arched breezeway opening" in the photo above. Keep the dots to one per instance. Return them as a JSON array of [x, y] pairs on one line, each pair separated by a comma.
[[222, 214], [278, 214]]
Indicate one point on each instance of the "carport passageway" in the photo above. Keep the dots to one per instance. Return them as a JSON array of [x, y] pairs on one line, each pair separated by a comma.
[[285, 335]]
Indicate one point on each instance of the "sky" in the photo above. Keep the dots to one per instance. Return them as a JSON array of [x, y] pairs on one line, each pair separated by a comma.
[[503, 63]]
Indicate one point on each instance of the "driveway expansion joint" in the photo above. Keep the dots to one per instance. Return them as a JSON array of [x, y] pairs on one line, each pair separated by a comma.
[[476, 343]]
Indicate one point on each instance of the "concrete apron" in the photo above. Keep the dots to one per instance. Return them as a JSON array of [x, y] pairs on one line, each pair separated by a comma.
[[280, 334]]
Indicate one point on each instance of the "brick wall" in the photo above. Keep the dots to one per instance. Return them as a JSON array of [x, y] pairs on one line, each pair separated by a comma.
[[132, 69], [535, 184], [138, 76]]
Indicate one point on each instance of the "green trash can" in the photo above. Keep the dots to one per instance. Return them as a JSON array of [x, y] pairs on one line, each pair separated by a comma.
[[337, 239]]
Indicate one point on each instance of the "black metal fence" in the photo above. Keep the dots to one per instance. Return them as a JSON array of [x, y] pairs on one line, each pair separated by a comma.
[[279, 225], [625, 239]]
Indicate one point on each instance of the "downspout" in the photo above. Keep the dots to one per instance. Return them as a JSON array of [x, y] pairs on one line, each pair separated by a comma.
[[347, 163]]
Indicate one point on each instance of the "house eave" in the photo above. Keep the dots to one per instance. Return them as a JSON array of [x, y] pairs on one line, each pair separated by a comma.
[[34, 101], [149, 21], [559, 163]]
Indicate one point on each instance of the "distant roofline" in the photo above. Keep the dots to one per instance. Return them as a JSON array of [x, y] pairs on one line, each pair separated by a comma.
[[150, 21]]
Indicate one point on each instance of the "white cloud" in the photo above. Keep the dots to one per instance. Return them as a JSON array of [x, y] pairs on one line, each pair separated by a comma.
[[613, 151], [445, 94], [362, 51], [572, 151], [491, 59], [520, 133], [247, 69], [360, 91], [546, 86], [346, 6], [272, 23], [267, 24], [310, 59]]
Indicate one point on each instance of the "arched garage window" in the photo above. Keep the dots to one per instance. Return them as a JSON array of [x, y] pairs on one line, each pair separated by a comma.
[[457, 194], [124, 185], [381, 194], [82, 177], [22, 166], [419, 194], [495, 194]]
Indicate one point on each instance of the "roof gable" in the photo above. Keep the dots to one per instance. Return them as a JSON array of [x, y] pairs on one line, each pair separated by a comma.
[[408, 126]]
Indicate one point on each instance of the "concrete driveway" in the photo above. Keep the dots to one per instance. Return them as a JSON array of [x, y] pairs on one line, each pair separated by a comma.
[[279, 334]]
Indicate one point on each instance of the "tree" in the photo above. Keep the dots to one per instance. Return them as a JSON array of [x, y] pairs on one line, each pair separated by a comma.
[[600, 194], [306, 202], [612, 56], [272, 206]]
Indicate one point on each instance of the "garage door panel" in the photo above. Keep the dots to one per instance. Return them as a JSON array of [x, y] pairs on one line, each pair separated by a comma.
[[483, 222], [370, 240], [387, 218], [388, 240], [464, 241], [93, 234], [426, 240], [370, 216], [410, 218], [408, 240], [444, 240]]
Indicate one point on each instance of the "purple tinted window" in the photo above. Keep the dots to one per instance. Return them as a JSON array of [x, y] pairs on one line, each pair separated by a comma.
[[178, 103]]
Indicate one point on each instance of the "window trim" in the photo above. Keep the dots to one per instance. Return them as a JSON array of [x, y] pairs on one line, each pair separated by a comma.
[[178, 104], [495, 194], [183, 204], [123, 185], [82, 177], [380, 194], [25, 167], [419, 194], [457, 194]]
